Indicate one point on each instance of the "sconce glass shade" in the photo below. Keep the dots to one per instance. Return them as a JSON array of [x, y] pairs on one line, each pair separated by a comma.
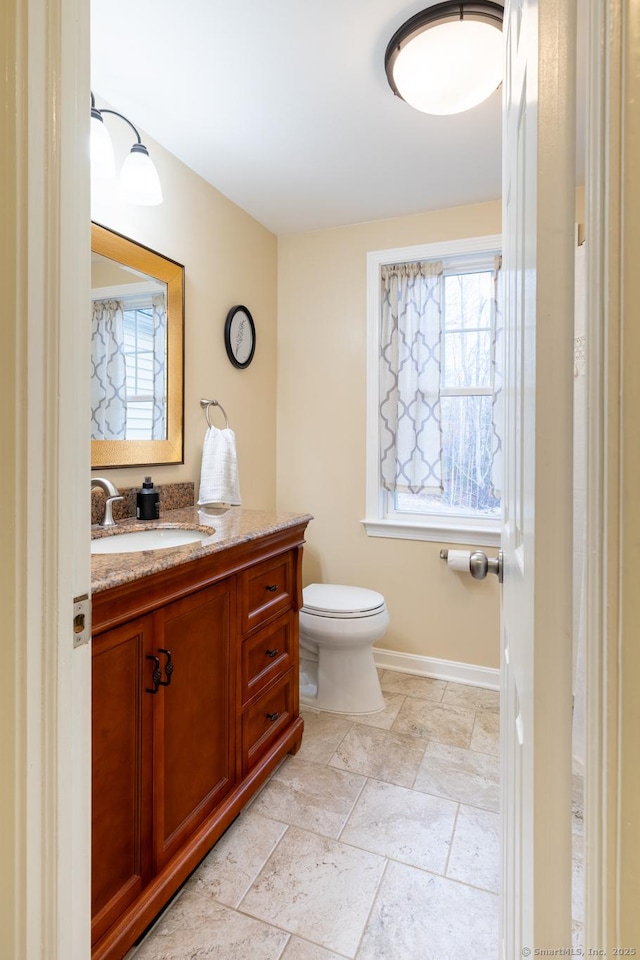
[[103, 163], [448, 58], [139, 181]]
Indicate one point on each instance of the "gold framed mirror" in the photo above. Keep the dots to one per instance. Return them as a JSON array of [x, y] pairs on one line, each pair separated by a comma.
[[137, 354]]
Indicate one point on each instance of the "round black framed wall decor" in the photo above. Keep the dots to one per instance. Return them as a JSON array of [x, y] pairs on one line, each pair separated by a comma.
[[240, 336]]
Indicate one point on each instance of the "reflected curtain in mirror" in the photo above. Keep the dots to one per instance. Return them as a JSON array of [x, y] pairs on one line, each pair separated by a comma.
[[108, 371]]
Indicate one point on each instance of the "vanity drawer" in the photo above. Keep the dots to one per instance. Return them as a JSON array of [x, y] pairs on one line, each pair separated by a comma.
[[266, 719], [267, 590], [265, 656]]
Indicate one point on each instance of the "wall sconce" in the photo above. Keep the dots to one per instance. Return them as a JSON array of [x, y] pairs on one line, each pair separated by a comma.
[[448, 58], [139, 181]]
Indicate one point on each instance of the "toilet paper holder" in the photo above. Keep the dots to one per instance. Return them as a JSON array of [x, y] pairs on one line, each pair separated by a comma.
[[480, 564]]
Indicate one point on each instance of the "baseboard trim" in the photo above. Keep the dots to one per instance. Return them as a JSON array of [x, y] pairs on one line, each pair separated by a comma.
[[470, 673]]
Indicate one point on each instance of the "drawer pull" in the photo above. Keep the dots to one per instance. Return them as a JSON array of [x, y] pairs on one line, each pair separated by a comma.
[[272, 587], [272, 653], [168, 667], [155, 676], [272, 716]]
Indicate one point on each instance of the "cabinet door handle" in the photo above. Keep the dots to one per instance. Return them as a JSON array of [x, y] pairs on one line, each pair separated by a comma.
[[272, 716], [168, 667], [272, 587], [272, 653], [155, 676]]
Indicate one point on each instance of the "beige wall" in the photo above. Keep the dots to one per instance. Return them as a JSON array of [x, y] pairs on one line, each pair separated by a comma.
[[229, 258], [322, 336]]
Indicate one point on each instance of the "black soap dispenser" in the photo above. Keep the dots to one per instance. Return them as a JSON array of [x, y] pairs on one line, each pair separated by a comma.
[[147, 501]]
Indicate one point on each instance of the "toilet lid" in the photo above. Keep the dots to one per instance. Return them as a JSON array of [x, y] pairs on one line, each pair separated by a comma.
[[335, 600]]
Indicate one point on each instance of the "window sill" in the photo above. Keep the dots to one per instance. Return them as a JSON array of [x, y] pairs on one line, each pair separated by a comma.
[[473, 534]]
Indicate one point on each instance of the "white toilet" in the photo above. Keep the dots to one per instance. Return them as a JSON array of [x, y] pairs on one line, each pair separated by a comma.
[[338, 627]]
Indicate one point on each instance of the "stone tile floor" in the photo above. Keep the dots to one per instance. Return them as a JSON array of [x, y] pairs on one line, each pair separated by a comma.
[[379, 840]]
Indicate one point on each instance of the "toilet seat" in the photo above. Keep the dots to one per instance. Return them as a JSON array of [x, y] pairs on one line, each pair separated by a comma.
[[341, 602]]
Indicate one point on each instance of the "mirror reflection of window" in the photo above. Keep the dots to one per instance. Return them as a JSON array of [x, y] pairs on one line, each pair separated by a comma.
[[129, 354], [145, 351]]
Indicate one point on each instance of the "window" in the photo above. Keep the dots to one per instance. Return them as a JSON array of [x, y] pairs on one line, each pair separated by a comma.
[[431, 469]]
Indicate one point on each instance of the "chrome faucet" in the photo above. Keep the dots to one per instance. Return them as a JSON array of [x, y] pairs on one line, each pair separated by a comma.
[[112, 494]]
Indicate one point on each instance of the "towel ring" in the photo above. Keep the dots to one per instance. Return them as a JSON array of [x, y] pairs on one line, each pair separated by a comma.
[[207, 404]]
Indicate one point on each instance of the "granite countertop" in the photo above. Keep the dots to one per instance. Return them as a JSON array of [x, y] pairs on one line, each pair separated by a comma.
[[229, 526]]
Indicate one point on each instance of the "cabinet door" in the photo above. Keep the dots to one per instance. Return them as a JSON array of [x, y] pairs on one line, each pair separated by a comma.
[[121, 791], [194, 745]]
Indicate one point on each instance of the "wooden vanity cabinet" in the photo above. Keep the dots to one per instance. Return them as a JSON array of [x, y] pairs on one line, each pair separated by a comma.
[[193, 719], [163, 747], [121, 772], [194, 703]]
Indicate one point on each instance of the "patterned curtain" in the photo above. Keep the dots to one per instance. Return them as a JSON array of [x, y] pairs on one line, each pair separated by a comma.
[[108, 371], [159, 421], [497, 363], [410, 430]]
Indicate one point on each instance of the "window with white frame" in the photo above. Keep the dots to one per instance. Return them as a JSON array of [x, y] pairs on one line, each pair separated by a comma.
[[433, 445]]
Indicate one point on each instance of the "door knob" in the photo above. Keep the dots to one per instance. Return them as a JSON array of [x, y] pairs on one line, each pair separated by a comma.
[[480, 565]]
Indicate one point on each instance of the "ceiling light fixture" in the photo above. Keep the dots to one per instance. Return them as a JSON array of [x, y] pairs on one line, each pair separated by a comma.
[[448, 58], [139, 181]]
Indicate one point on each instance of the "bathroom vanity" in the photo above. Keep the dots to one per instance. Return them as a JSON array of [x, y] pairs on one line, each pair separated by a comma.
[[195, 701]]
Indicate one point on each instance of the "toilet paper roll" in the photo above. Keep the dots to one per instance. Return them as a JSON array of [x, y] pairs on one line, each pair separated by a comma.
[[458, 560]]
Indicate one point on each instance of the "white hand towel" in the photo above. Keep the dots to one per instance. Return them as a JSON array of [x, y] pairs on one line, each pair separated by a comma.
[[219, 473]]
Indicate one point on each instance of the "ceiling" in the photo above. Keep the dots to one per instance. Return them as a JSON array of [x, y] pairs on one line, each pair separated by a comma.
[[284, 106]]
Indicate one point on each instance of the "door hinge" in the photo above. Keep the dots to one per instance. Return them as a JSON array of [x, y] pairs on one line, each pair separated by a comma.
[[81, 620]]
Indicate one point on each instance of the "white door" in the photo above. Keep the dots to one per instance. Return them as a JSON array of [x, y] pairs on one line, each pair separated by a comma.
[[45, 681], [538, 225]]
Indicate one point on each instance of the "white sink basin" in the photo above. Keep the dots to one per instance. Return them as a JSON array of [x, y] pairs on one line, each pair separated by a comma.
[[156, 539]]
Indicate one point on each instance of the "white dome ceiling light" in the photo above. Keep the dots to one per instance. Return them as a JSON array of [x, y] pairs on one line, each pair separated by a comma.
[[447, 58]]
